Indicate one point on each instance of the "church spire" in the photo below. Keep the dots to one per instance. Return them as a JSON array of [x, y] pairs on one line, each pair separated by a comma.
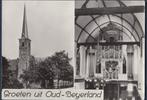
[[24, 27]]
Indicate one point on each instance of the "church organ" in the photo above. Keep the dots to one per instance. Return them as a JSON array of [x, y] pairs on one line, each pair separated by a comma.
[[104, 61]]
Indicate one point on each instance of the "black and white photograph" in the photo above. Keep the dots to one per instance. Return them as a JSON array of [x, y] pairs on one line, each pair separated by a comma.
[[110, 47], [37, 44], [73, 49]]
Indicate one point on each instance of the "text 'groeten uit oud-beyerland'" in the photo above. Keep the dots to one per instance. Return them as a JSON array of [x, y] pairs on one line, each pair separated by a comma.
[[53, 94]]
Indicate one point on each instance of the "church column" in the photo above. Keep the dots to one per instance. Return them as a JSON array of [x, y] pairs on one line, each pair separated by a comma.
[[82, 61], [75, 60], [87, 64], [141, 69], [120, 66], [136, 61], [103, 69], [92, 62], [143, 65], [125, 57], [130, 51], [120, 69]]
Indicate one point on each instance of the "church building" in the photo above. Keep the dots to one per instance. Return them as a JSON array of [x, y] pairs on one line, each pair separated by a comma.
[[17, 66], [24, 48], [109, 47]]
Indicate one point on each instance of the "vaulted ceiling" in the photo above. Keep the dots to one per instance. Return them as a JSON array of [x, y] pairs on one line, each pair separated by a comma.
[[88, 27]]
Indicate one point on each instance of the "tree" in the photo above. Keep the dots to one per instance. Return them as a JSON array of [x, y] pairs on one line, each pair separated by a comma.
[[32, 62], [39, 72], [7, 81], [62, 63], [30, 75], [5, 77], [46, 71]]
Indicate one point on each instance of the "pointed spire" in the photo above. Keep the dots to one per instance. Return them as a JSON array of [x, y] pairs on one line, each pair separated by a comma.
[[24, 27]]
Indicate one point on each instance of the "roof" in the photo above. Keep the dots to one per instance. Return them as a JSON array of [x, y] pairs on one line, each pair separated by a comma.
[[24, 27]]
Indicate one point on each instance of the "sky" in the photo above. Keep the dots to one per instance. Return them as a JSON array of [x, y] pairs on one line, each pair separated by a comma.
[[50, 27]]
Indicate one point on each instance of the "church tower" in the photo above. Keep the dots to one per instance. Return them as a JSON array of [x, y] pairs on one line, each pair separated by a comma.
[[24, 47]]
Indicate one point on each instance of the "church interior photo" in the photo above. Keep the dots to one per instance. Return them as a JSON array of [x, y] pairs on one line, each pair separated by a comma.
[[109, 47]]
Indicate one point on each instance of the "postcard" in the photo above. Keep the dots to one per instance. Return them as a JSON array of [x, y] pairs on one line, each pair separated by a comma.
[[73, 50]]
